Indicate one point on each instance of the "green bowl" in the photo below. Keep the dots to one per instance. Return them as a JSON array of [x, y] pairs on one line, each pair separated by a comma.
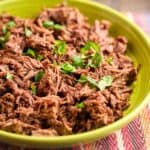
[[138, 49]]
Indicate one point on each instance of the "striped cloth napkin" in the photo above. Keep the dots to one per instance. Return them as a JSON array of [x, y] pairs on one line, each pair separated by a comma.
[[134, 136]]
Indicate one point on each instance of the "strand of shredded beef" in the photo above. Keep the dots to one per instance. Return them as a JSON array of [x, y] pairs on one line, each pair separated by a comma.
[[52, 110]]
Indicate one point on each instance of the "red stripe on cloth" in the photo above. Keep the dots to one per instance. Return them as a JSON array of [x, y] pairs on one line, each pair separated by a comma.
[[87, 146], [126, 138], [137, 135], [102, 144], [76, 148], [112, 142]]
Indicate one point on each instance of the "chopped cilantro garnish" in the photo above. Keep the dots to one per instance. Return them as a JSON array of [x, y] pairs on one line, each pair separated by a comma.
[[9, 76], [4, 39], [58, 27], [30, 52], [80, 105], [67, 68], [109, 60], [106, 81], [51, 25], [27, 32], [60, 47], [95, 60], [83, 79], [48, 24], [39, 57], [11, 24], [38, 76], [33, 88], [78, 61], [90, 45], [4, 29]]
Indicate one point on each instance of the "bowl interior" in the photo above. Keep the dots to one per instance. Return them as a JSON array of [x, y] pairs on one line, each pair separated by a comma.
[[138, 49]]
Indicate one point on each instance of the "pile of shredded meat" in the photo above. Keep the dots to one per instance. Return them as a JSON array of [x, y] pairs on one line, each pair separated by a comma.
[[59, 75]]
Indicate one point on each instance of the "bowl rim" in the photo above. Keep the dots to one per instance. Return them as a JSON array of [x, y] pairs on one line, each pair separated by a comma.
[[85, 136]]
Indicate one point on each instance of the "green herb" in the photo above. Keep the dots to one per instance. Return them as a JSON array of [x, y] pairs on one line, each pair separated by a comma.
[[78, 61], [33, 88], [38, 76], [92, 81], [9, 76], [4, 29], [4, 39], [83, 79], [52, 25], [55, 63], [39, 57], [109, 60], [95, 61], [6, 33], [90, 45], [80, 105], [30, 52], [48, 24], [106, 81], [27, 32], [67, 68], [58, 27], [11, 24], [60, 47]]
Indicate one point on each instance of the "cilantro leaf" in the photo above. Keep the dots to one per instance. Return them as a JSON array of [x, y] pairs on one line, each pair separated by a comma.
[[95, 61], [60, 47], [83, 79], [39, 57], [92, 81], [27, 32], [80, 105], [33, 88], [78, 61], [38, 76], [30, 52], [4, 39], [4, 29], [106, 81], [58, 27], [67, 68], [48, 24], [51, 25], [109, 60], [90, 45], [9, 76], [11, 24]]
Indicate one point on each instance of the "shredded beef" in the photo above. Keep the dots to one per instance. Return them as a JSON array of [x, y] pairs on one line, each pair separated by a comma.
[[47, 104]]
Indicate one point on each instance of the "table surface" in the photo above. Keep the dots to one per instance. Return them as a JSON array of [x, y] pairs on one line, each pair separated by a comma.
[[128, 5]]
